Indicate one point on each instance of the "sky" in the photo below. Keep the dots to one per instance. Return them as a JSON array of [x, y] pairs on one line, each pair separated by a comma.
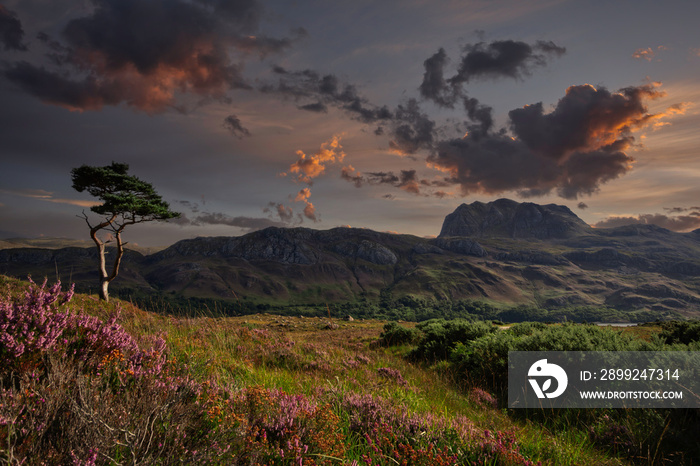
[[245, 114]]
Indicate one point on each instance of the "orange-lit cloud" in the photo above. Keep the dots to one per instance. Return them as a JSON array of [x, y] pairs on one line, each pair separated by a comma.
[[310, 211], [644, 54], [147, 54], [48, 196], [648, 53], [309, 167], [305, 169], [303, 195], [573, 149]]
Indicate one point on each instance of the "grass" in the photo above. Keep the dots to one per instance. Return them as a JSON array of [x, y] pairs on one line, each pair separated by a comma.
[[356, 401]]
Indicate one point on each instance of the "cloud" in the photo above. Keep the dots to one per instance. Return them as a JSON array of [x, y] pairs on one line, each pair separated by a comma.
[[582, 205], [573, 149], [48, 196], [317, 107], [285, 214], [434, 86], [498, 59], [504, 58], [321, 91], [217, 218], [146, 54], [349, 173], [676, 210], [648, 53], [11, 31], [234, 125], [679, 223], [307, 168], [406, 180], [412, 129], [644, 54], [310, 211], [303, 195]]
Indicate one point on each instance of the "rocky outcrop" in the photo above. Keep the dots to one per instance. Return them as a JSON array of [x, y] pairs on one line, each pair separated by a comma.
[[460, 246], [511, 219], [366, 250]]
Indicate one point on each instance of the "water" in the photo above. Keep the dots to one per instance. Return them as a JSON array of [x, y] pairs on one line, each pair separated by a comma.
[[615, 324]]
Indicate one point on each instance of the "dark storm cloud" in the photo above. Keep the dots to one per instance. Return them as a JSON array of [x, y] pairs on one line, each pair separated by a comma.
[[584, 118], [11, 31], [217, 218], [479, 114], [235, 127], [406, 180], [317, 107], [572, 150], [434, 86], [324, 91], [146, 53], [411, 129], [674, 223], [505, 58]]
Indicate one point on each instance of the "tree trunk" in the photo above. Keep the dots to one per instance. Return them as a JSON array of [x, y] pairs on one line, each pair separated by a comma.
[[105, 278], [104, 293]]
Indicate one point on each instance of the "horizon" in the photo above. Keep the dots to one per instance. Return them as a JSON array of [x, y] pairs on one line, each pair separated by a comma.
[[385, 116], [391, 232]]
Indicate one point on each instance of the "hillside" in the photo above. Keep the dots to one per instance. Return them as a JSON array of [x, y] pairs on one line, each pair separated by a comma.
[[503, 253], [116, 385]]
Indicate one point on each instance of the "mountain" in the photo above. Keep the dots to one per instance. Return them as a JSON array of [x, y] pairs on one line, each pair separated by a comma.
[[511, 219], [500, 252]]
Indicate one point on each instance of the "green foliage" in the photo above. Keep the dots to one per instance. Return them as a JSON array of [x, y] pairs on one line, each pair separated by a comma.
[[396, 335], [481, 360], [440, 337], [680, 332], [122, 194]]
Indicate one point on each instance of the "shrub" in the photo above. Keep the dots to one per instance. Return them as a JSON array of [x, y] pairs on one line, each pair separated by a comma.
[[396, 335], [440, 337], [680, 332]]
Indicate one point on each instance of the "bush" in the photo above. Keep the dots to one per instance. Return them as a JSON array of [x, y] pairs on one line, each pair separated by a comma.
[[680, 332], [441, 336], [396, 335]]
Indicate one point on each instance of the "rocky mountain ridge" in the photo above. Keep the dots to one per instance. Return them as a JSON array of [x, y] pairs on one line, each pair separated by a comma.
[[515, 253], [512, 219]]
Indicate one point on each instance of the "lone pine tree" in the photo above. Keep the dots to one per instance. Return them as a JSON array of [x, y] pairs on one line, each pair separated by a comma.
[[126, 200]]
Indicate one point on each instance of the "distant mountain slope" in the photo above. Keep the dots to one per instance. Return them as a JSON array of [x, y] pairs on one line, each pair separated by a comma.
[[59, 243], [517, 253]]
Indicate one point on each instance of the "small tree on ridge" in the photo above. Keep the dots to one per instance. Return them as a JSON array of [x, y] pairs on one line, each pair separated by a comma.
[[126, 200]]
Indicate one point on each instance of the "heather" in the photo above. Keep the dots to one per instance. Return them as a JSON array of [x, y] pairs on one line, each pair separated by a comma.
[[91, 383]]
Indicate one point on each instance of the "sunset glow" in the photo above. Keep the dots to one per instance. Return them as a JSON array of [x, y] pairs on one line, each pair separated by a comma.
[[389, 126]]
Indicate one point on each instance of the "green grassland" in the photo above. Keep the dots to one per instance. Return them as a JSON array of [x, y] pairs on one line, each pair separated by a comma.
[[256, 389], [295, 389]]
